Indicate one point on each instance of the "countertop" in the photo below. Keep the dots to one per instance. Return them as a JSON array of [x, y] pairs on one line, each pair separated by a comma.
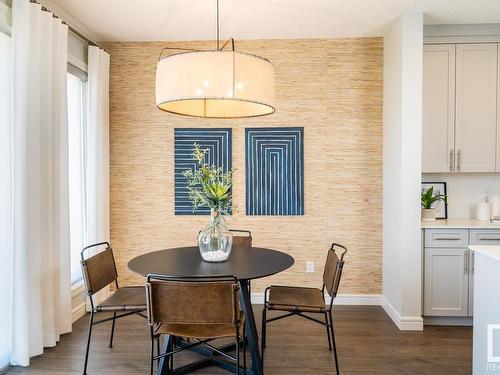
[[459, 224], [492, 252]]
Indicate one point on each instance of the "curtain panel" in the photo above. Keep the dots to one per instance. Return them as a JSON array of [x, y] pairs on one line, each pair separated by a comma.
[[97, 148], [41, 291], [5, 197]]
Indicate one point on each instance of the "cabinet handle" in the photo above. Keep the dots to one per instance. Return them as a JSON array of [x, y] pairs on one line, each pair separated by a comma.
[[488, 239], [472, 262], [459, 159], [466, 257], [447, 239], [451, 160]]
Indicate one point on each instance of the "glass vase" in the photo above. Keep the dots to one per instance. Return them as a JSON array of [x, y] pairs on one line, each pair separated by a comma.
[[215, 241]]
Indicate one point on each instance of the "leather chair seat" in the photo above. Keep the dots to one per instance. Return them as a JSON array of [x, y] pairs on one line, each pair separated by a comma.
[[128, 298], [288, 298], [202, 331]]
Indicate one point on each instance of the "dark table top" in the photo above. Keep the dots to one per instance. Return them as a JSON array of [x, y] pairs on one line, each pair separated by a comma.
[[245, 263]]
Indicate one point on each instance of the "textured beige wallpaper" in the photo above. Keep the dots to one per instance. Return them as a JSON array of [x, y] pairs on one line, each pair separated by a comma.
[[333, 88]]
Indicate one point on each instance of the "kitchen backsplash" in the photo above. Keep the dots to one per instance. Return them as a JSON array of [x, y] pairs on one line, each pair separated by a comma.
[[465, 190]]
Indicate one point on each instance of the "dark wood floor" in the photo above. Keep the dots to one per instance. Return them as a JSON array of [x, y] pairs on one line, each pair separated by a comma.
[[368, 343]]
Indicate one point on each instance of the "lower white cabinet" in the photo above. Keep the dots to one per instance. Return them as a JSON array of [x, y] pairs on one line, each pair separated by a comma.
[[449, 269], [446, 290], [471, 284]]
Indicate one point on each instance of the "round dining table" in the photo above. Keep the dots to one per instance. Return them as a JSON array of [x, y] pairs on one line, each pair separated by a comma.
[[245, 263]]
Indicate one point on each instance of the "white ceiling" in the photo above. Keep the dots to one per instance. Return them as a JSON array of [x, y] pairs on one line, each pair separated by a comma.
[[160, 20]]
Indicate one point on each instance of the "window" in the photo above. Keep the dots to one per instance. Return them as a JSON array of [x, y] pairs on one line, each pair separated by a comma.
[[77, 95]]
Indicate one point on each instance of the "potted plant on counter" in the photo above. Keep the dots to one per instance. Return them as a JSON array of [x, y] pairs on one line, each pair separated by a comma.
[[210, 186], [428, 199]]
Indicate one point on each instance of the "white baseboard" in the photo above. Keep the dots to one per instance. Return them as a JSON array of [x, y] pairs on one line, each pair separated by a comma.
[[357, 299], [407, 323], [77, 301], [448, 321], [341, 299], [78, 312], [77, 288], [404, 323]]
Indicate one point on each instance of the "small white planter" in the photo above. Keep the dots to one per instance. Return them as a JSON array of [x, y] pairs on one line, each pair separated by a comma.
[[428, 214]]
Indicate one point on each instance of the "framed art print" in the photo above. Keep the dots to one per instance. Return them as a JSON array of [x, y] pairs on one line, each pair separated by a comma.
[[217, 141], [438, 188], [274, 171]]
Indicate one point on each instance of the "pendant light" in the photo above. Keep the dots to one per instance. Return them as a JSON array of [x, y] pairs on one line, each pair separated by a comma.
[[218, 83]]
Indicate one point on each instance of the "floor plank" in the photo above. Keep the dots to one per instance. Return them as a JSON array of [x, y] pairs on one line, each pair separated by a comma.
[[367, 340]]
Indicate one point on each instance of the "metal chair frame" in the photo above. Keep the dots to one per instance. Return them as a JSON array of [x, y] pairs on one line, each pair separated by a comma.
[[172, 347], [250, 236], [328, 323], [93, 309]]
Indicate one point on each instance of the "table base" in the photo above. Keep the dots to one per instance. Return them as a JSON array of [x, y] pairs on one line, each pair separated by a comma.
[[212, 359]]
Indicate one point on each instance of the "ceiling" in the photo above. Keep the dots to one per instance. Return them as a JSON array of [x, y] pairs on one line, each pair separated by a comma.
[[160, 20]]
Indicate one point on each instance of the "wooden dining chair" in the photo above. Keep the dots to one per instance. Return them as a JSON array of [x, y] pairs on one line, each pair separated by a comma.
[[98, 272], [301, 300], [201, 309]]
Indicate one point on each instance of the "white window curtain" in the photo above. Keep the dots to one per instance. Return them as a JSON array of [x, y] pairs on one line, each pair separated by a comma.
[[41, 295], [98, 146], [97, 178], [5, 199]]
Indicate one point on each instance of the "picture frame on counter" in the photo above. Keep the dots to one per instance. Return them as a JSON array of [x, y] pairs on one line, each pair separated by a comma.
[[438, 188]]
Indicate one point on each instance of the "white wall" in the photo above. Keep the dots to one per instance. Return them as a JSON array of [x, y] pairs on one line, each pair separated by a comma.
[[402, 258], [465, 190]]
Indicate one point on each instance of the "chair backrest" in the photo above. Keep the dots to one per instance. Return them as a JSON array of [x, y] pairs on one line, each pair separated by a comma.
[[241, 238], [333, 270], [174, 300], [98, 270]]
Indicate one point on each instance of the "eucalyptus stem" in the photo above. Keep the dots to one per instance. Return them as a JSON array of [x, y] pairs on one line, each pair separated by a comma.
[[208, 185]]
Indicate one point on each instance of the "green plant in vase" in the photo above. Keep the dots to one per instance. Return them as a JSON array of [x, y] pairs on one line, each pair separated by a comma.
[[209, 186], [427, 199]]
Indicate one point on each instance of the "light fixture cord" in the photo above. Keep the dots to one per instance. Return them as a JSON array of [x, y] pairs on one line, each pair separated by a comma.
[[218, 39]]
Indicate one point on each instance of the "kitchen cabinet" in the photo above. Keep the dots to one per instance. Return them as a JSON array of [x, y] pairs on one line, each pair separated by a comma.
[[461, 132], [475, 122], [448, 277], [446, 282], [438, 101], [470, 310]]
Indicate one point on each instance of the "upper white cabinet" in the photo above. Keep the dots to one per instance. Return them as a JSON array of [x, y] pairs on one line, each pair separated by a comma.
[[475, 124], [461, 132], [438, 141]]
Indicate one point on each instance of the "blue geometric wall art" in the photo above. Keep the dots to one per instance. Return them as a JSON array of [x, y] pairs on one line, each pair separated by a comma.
[[274, 171], [218, 141]]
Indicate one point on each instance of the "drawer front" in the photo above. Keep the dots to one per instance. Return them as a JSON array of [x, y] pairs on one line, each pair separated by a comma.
[[447, 238], [485, 237]]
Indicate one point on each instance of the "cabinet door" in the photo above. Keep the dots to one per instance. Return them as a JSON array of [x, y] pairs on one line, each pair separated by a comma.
[[438, 104], [471, 283], [475, 120], [446, 282]]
